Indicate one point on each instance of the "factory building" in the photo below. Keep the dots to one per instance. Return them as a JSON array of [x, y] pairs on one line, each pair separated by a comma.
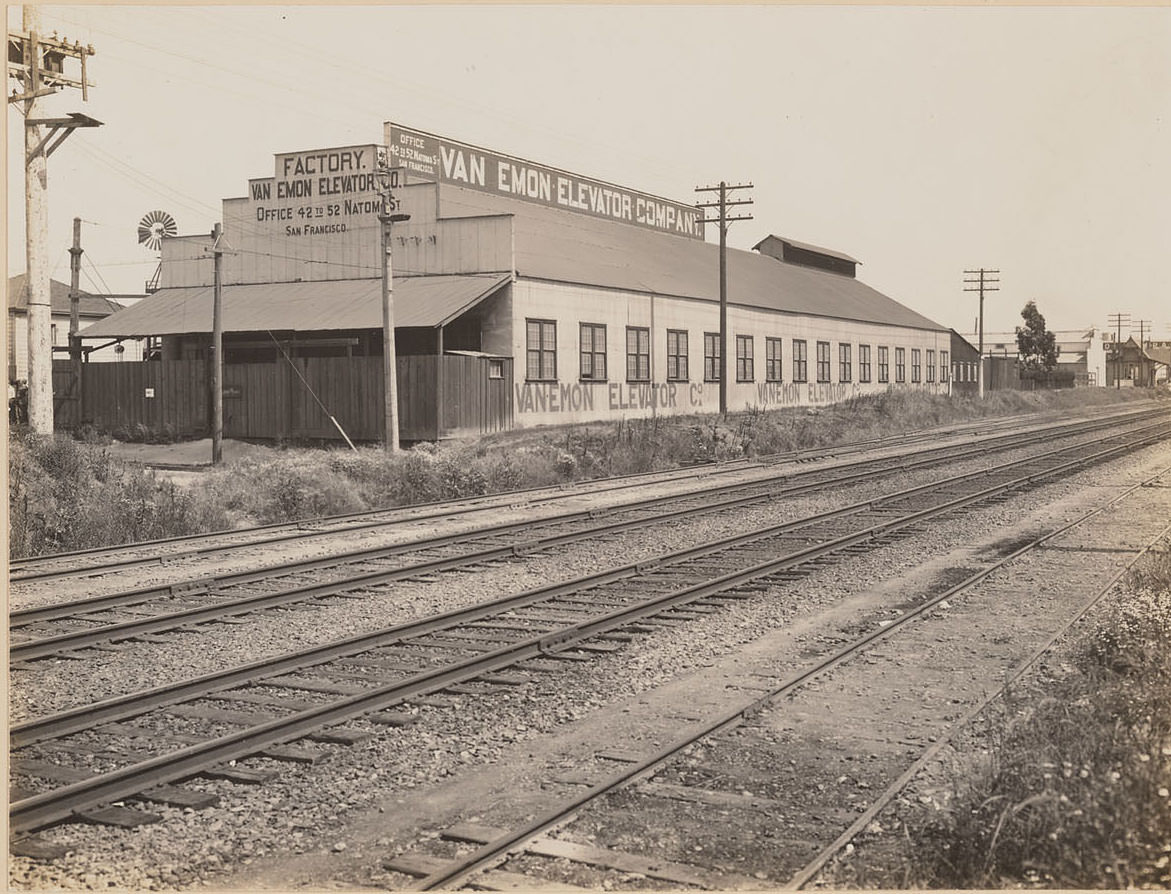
[[522, 295]]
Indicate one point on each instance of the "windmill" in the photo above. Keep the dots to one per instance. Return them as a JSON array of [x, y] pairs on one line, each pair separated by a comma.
[[154, 227]]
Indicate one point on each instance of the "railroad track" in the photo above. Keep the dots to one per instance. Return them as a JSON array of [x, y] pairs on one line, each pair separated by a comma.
[[494, 858], [105, 560], [64, 628], [80, 761]]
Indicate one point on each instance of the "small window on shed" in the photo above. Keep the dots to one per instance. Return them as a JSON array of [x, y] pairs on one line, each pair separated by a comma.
[[495, 368]]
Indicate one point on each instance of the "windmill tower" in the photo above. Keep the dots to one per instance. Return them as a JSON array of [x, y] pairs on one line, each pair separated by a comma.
[[154, 227]]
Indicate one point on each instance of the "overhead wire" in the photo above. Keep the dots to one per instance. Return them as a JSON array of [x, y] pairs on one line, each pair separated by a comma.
[[374, 76], [136, 174]]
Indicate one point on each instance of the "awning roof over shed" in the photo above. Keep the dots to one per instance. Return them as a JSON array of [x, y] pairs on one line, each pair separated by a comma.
[[301, 306]]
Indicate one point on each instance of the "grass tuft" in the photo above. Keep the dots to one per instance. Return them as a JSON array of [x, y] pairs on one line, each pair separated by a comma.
[[68, 493], [1076, 789]]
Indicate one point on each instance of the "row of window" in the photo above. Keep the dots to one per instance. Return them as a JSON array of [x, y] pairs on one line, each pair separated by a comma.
[[541, 360]]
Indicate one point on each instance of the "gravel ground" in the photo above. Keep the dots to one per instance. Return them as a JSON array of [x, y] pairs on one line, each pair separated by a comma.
[[52, 684], [399, 774]]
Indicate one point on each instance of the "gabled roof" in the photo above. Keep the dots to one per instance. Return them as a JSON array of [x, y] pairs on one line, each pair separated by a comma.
[[971, 346], [562, 247], [88, 305], [301, 306], [805, 246]]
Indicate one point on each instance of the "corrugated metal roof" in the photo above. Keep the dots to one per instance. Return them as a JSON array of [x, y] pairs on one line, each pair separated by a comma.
[[301, 306], [554, 245], [88, 305]]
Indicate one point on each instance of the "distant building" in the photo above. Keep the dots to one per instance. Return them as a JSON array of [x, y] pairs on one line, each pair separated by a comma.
[[1160, 352], [91, 308], [1130, 366], [965, 369], [1081, 353]]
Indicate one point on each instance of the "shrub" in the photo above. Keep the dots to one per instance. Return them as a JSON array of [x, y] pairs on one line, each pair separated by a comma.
[[67, 495], [1078, 792]]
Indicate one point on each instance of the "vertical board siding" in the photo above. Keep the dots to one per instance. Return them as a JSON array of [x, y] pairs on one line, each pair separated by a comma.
[[114, 396], [273, 401]]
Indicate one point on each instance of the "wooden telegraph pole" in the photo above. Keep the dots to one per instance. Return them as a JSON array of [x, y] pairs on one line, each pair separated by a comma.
[[389, 360], [75, 254], [981, 281], [724, 221], [40, 72], [217, 349], [1118, 319]]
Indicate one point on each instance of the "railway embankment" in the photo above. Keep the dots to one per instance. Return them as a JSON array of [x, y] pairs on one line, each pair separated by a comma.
[[67, 494], [840, 671]]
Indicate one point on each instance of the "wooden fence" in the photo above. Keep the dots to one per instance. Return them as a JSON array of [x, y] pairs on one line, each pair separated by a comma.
[[291, 401]]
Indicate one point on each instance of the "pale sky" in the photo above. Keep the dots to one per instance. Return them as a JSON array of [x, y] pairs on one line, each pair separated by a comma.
[[921, 141]]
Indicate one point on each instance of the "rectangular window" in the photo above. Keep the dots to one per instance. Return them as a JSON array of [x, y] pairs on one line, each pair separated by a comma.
[[944, 368], [845, 363], [800, 360], [744, 348], [676, 355], [711, 357], [495, 368], [916, 372], [541, 354], [823, 361], [883, 364], [863, 363], [900, 365], [772, 360], [930, 365], [593, 352], [638, 354]]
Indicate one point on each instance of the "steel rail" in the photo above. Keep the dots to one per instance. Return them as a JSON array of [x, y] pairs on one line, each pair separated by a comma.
[[120, 707], [50, 645], [60, 804], [595, 485], [933, 456], [806, 874], [500, 848], [22, 569]]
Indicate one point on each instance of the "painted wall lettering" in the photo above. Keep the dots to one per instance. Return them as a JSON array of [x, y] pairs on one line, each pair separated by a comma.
[[642, 397], [779, 393], [828, 393], [552, 397], [579, 397], [313, 193], [449, 161]]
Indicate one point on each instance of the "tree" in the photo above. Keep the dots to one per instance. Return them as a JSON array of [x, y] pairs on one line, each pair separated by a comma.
[[1036, 345]]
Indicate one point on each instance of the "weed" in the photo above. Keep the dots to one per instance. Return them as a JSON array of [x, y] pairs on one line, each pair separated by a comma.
[[1076, 792]]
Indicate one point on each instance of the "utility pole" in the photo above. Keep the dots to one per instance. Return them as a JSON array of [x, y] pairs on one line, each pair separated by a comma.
[[1142, 353], [1117, 320], [217, 349], [389, 359], [981, 281], [40, 72], [724, 221], [75, 316]]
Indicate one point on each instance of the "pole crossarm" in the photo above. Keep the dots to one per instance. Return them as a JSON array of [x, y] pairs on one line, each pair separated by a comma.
[[36, 58], [36, 94], [716, 220], [724, 204]]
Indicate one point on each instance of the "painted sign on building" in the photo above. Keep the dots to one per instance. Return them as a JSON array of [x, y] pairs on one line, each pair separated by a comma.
[[437, 158], [320, 192]]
